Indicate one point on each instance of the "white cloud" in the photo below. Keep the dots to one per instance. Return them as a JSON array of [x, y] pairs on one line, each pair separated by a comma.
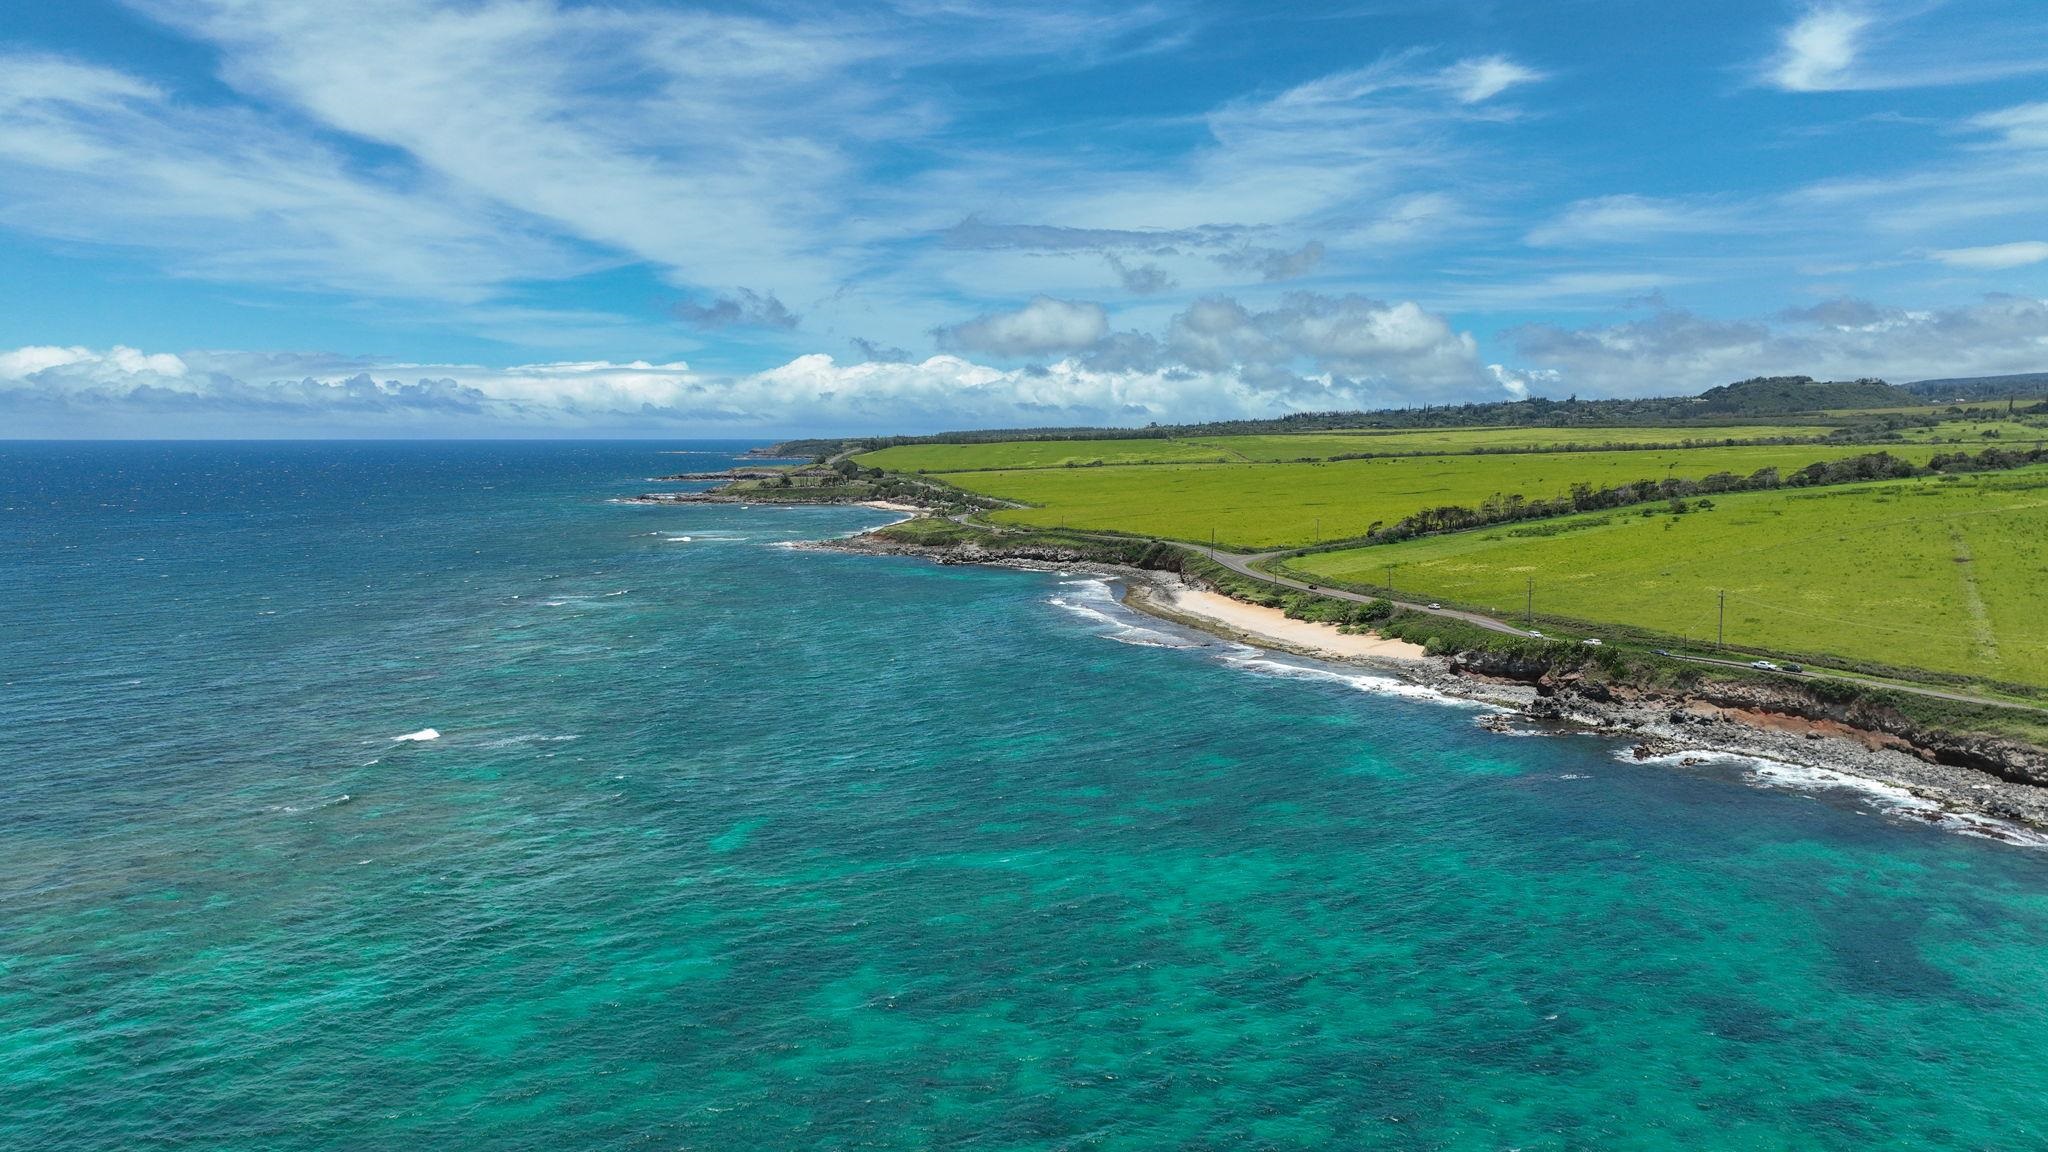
[[710, 163], [1994, 256], [1871, 45], [90, 154], [1218, 360], [1351, 148], [1485, 77], [122, 392], [2021, 126], [1394, 352], [1626, 220], [1517, 382], [1045, 325], [1818, 51], [1676, 352], [1274, 264]]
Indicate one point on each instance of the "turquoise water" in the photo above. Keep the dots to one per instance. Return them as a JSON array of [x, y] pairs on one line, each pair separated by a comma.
[[729, 846]]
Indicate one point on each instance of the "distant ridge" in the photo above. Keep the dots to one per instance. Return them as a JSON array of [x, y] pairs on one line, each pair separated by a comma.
[[1784, 395], [1762, 398], [2023, 385]]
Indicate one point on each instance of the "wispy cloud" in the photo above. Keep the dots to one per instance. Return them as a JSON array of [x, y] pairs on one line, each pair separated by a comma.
[[1889, 44], [1818, 51], [2017, 254], [1676, 351], [1483, 78], [92, 154], [2021, 126], [1627, 220]]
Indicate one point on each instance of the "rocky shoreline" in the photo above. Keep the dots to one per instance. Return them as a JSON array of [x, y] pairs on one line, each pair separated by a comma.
[[1664, 727]]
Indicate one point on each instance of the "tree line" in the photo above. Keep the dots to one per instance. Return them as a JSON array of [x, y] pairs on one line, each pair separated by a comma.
[[1506, 508]]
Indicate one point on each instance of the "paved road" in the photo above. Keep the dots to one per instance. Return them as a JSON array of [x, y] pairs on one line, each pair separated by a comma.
[[1243, 564], [1824, 674]]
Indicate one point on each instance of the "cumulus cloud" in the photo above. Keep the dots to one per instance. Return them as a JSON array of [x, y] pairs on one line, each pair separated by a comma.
[[124, 392], [741, 308], [1675, 351], [1218, 359], [1042, 327], [1393, 351], [1518, 382]]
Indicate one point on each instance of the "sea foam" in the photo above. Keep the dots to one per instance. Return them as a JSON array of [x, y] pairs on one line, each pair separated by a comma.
[[1890, 799], [420, 736], [1094, 601], [1263, 663]]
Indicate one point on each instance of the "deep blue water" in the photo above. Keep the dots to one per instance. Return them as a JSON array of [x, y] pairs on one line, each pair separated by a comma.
[[730, 846]]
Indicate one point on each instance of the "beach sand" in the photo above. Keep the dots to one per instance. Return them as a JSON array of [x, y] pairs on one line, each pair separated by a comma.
[[1274, 627]]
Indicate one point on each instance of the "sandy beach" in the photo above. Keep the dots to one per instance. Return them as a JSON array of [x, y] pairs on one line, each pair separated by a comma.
[[1271, 626]]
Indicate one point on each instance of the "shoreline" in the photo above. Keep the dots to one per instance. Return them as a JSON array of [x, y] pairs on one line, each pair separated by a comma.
[[1789, 751]]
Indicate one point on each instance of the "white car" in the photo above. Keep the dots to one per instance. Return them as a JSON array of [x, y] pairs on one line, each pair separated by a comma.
[[1765, 665], [1535, 633], [1435, 607], [1592, 640]]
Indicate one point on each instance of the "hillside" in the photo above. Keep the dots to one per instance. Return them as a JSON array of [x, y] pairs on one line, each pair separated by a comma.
[[1783, 395], [2025, 385], [1763, 398]]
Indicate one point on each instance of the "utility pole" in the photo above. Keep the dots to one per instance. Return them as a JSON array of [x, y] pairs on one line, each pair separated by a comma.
[[1319, 529], [1212, 543], [1529, 605], [1390, 577], [1721, 628]]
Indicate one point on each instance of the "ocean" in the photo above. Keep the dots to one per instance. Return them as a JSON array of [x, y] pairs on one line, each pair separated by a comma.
[[728, 845]]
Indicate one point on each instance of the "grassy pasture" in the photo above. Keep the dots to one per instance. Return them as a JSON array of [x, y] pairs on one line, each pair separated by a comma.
[[1948, 575], [1280, 505], [1041, 454], [1297, 446], [1970, 434], [1323, 445]]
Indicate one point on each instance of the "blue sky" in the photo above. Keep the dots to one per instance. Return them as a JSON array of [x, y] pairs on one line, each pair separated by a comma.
[[409, 217]]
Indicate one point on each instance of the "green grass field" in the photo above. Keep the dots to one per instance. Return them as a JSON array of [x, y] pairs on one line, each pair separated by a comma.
[[1297, 446], [1281, 505], [1970, 434], [1949, 575], [1041, 454]]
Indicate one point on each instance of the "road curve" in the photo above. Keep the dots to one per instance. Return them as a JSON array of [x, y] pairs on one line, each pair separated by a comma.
[[1241, 564]]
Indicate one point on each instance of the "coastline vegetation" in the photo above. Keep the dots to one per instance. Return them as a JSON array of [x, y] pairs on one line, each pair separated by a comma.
[[1853, 525], [1256, 507], [1309, 446], [1872, 705], [1944, 573]]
